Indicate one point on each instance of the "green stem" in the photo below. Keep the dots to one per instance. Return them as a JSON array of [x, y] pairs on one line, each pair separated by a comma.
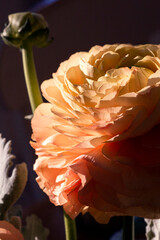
[[36, 99], [70, 228], [128, 228], [34, 94]]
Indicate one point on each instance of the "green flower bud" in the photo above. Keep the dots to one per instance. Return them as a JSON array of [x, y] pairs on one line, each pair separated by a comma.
[[26, 27]]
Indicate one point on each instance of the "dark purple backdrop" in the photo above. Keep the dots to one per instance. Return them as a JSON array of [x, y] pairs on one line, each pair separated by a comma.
[[76, 25]]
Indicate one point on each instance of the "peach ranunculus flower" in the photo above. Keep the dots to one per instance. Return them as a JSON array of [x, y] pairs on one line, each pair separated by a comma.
[[98, 138], [9, 232]]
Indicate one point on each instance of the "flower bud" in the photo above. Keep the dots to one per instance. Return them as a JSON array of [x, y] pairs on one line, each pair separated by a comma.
[[26, 27]]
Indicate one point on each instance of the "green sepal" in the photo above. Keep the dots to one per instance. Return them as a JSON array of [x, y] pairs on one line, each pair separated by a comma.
[[26, 27]]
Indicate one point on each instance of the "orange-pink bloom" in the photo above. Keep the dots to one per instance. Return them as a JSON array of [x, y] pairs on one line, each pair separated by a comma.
[[9, 232], [97, 139]]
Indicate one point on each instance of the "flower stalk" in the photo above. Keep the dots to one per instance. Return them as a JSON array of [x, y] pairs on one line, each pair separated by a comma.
[[128, 228], [36, 99], [70, 228], [31, 80]]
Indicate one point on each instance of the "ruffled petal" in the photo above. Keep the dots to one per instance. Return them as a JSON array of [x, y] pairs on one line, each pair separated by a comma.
[[124, 176], [97, 140]]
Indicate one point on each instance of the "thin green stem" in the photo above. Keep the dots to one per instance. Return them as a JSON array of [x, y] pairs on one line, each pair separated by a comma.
[[128, 228], [34, 94], [36, 99], [70, 228]]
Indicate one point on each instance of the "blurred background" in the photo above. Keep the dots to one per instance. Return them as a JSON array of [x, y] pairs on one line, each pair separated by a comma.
[[76, 25]]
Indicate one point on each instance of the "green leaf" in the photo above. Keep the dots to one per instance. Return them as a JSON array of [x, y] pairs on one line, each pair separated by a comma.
[[34, 229], [11, 187]]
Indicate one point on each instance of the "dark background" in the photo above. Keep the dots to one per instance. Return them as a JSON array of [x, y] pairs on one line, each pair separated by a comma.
[[76, 25]]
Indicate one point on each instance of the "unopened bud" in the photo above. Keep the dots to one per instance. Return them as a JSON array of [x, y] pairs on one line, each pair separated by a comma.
[[26, 27]]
